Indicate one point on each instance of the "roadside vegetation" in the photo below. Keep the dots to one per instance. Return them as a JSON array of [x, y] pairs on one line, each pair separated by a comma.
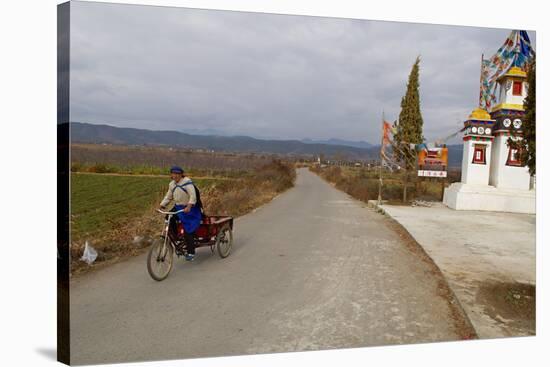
[[149, 170], [362, 183], [156, 160], [113, 206], [254, 188]]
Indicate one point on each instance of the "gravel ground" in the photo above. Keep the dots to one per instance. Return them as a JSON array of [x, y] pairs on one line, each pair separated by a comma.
[[313, 269]]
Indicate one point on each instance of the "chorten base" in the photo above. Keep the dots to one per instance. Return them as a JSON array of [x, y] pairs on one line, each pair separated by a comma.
[[460, 196]]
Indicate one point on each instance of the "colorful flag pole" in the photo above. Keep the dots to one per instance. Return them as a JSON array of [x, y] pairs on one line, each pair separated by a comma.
[[381, 158], [481, 83], [516, 51]]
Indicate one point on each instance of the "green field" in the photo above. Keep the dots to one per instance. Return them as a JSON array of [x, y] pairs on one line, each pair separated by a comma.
[[103, 202]]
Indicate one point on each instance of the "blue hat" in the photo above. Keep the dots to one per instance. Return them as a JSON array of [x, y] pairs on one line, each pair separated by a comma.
[[176, 169]]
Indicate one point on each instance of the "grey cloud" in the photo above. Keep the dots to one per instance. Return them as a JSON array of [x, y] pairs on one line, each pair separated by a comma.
[[267, 75]]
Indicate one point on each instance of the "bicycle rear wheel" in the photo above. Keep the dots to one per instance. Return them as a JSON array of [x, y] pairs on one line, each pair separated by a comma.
[[160, 259], [224, 241]]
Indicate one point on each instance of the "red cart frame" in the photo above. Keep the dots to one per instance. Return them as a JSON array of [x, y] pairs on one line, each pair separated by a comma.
[[215, 231]]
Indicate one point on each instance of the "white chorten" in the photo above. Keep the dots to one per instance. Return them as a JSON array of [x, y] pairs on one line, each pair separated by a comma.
[[493, 178]]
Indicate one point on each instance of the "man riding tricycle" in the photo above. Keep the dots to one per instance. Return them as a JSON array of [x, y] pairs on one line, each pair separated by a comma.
[[186, 227]]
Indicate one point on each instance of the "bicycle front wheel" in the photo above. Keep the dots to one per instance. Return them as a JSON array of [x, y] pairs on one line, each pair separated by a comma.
[[160, 259]]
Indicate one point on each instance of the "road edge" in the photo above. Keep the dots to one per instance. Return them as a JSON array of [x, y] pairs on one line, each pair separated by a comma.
[[455, 303], [463, 325]]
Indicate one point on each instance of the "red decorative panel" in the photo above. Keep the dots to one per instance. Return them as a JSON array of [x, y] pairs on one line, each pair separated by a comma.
[[516, 89], [479, 154], [513, 157]]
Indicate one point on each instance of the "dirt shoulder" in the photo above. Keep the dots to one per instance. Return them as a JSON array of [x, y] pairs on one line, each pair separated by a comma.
[[462, 323]]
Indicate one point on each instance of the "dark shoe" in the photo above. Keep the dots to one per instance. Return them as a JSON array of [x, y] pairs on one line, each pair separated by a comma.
[[190, 257]]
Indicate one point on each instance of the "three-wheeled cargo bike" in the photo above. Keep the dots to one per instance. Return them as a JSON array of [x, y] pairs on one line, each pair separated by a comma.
[[215, 231]]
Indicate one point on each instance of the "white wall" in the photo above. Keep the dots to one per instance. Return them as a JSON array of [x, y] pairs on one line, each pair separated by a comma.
[[503, 176], [507, 96], [477, 174], [495, 157], [460, 196]]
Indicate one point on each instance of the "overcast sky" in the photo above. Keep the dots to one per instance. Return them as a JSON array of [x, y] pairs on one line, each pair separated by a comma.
[[265, 75]]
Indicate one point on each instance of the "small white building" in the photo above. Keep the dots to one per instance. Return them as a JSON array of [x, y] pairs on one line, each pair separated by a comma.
[[493, 178]]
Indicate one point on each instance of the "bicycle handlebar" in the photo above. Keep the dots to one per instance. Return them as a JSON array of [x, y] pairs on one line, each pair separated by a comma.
[[163, 212]]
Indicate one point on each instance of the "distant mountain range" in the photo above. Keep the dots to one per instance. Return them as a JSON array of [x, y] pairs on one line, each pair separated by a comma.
[[348, 143], [91, 133], [331, 148], [332, 141]]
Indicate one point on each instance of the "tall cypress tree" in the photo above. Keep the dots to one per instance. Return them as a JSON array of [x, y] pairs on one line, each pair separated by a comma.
[[409, 126]]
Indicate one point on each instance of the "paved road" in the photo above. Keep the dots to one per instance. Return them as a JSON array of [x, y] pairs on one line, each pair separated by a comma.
[[313, 269]]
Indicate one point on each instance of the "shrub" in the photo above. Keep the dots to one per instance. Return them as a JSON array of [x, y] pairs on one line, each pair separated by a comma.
[[363, 184], [76, 167], [98, 168]]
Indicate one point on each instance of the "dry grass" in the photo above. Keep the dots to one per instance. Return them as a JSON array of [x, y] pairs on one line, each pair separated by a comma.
[[115, 244], [362, 184], [236, 198], [156, 160]]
